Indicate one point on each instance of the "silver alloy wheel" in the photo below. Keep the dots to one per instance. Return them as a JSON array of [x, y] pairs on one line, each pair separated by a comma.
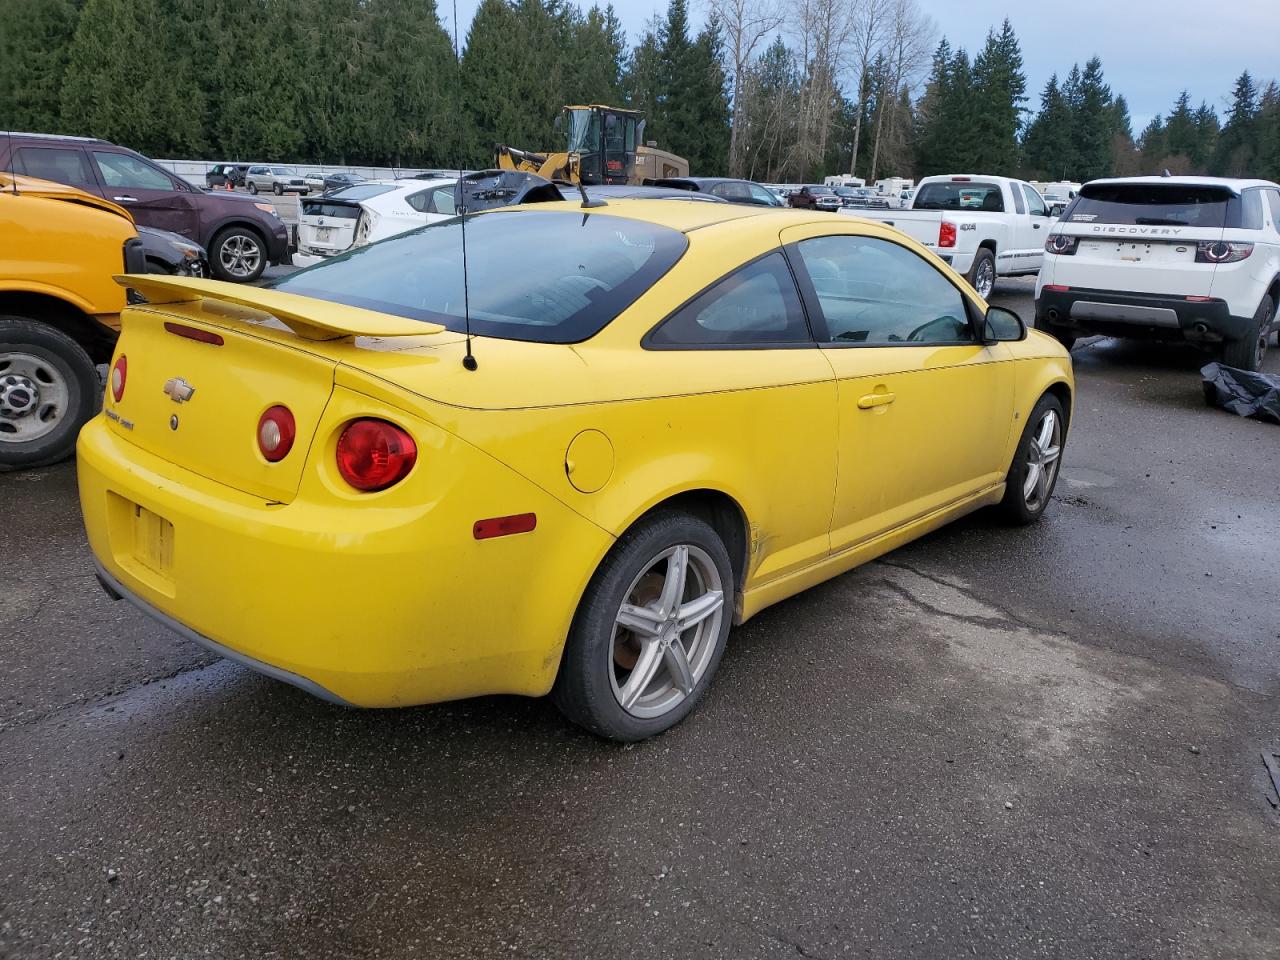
[[34, 398], [984, 278], [240, 255], [666, 631], [1043, 457]]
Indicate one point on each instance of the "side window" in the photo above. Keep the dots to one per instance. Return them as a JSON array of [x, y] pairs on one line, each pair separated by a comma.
[[419, 200], [757, 304], [61, 165], [761, 195], [122, 170], [1035, 203], [442, 201], [1017, 199], [1251, 210], [1273, 198], [876, 292]]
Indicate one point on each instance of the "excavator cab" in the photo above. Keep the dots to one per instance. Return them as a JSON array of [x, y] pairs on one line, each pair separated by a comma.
[[604, 141]]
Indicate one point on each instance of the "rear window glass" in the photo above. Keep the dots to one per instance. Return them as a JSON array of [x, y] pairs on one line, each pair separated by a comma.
[[319, 208], [1154, 204], [965, 195], [536, 276], [363, 191]]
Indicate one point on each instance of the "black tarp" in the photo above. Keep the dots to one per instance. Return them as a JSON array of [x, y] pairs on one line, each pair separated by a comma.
[[1243, 393]]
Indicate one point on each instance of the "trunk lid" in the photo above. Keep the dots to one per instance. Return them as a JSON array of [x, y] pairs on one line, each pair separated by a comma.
[[263, 353], [327, 226]]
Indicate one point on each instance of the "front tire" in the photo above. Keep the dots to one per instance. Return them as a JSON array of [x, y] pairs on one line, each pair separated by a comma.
[[253, 188], [238, 254], [1034, 471], [982, 275], [48, 387], [1248, 352], [650, 630]]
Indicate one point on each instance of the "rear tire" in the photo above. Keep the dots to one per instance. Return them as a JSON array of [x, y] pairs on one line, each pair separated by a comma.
[[48, 391], [1036, 464], [277, 190], [1248, 352], [603, 657], [253, 188], [982, 275]]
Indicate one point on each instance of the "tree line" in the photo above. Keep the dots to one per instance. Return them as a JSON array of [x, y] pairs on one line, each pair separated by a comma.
[[772, 92]]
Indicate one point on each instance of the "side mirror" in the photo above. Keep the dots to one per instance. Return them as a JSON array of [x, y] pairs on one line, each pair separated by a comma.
[[1003, 326]]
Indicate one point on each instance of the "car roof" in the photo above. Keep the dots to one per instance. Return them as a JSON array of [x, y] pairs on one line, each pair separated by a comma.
[[1235, 185], [624, 191]]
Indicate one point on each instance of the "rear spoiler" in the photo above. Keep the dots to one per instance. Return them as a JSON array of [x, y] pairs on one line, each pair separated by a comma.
[[307, 317]]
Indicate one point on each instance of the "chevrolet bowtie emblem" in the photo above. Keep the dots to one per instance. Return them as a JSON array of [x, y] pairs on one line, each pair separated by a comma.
[[178, 390]]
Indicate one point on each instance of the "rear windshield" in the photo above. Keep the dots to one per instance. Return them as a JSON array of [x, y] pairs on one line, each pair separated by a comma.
[[322, 208], [965, 195], [1174, 205], [362, 191], [536, 276]]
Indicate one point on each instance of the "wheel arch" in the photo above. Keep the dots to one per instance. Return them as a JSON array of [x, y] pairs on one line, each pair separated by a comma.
[[234, 220], [97, 339], [1062, 391]]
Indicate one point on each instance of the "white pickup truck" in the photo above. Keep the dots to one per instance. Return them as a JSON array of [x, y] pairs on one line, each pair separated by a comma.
[[983, 227]]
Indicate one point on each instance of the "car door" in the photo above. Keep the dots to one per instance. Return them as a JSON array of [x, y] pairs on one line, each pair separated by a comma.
[[924, 408], [750, 327], [151, 194], [1034, 230]]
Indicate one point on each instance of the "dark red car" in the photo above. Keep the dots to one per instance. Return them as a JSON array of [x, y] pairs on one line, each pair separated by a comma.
[[241, 234], [814, 196]]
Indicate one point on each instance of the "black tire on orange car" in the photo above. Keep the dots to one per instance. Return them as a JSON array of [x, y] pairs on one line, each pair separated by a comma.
[[1036, 463], [48, 390], [650, 630]]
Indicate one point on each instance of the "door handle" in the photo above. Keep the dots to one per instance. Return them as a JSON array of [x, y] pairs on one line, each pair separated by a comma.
[[125, 199], [872, 400]]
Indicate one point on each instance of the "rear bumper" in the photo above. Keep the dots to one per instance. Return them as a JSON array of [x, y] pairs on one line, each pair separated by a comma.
[[1139, 315], [375, 604]]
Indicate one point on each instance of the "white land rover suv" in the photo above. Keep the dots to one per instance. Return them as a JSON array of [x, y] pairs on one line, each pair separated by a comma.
[[1186, 258]]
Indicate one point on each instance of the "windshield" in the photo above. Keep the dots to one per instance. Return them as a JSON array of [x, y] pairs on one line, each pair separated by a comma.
[[536, 276], [584, 131], [1178, 205], [963, 195]]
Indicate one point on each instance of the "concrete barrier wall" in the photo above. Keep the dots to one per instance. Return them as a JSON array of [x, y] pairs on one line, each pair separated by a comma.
[[194, 170]]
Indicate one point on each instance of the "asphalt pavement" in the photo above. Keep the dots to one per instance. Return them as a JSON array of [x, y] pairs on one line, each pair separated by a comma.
[[1022, 743]]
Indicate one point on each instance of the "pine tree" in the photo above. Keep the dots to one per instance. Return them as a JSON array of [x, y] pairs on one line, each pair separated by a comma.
[[999, 92], [1206, 142], [1237, 146], [1267, 133], [1049, 146], [706, 141], [1092, 123], [1180, 136], [599, 47], [643, 81], [1153, 142], [34, 44]]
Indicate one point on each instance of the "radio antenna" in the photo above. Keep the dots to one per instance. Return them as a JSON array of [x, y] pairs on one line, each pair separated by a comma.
[[469, 360], [13, 170]]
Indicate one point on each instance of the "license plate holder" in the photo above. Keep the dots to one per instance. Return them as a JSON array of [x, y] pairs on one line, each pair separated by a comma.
[[152, 541]]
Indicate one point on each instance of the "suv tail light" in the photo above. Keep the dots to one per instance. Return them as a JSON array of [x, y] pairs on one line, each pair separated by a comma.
[[1062, 245], [119, 374], [946, 234], [1221, 251], [375, 454], [276, 432]]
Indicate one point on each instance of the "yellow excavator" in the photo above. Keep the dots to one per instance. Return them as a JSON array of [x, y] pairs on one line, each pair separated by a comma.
[[605, 145]]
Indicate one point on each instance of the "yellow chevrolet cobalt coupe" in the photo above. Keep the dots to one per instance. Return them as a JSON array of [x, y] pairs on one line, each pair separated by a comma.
[[679, 414]]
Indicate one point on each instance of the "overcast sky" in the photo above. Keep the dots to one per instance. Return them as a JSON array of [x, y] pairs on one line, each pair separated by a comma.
[[1150, 49]]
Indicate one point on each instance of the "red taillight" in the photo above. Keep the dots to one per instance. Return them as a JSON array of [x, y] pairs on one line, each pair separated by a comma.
[[1221, 251], [276, 432], [194, 333], [119, 374], [962, 179], [374, 454], [1056, 288], [946, 234], [504, 526]]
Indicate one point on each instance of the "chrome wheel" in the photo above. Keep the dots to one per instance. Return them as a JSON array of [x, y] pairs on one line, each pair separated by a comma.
[[240, 255], [34, 398], [1043, 456], [665, 632], [984, 278]]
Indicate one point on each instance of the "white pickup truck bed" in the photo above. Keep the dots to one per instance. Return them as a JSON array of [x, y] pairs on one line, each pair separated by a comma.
[[983, 227]]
